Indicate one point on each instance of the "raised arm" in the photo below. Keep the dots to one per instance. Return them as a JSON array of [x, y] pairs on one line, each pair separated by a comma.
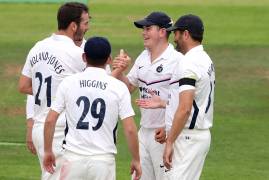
[[120, 64]]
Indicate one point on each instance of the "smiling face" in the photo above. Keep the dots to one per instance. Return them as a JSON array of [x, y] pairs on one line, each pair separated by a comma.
[[151, 36], [179, 39], [82, 27]]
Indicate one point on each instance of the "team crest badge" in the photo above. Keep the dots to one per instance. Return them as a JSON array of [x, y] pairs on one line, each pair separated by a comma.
[[159, 68]]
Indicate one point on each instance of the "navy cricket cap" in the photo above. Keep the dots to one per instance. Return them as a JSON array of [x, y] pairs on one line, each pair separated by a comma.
[[97, 48], [189, 22], [155, 18]]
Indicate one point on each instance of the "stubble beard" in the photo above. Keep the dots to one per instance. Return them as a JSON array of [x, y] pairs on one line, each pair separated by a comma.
[[78, 36]]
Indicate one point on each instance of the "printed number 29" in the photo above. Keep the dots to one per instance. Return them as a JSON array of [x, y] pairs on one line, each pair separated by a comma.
[[48, 91], [98, 115]]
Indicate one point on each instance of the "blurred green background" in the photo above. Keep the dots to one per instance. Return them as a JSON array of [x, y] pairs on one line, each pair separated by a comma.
[[236, 38]]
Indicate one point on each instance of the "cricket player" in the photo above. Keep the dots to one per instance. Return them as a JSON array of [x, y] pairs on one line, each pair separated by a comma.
[[151, 74], [93, 105], [189, 111], [30, 101], [47, 64]]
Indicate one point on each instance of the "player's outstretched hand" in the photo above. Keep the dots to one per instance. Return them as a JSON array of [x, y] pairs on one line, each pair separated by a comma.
[[49, 162], [160, 135], [167, 155], [151, 103], [136, 170]]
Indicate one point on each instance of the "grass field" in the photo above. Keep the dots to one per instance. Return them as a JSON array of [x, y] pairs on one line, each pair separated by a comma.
[[236, 37]]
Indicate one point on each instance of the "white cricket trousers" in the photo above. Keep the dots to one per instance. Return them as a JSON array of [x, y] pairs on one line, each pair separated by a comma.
[[84, 167], [190, 150], [38, 141], [151, 155]]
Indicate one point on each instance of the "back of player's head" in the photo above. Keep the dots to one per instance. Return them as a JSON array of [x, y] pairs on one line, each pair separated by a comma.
[[70, 12], [192, 23], [97, 51]]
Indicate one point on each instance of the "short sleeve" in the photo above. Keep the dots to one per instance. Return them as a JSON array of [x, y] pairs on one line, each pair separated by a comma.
[[26, 71], [188, 75], [133, 74], [125, 105], [58, 104]]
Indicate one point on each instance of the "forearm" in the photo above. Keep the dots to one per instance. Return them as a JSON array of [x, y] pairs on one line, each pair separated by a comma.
[[180, 119], [182, 114], [117, 73], [26, 90], [48, 136], [49, 129], [132, 140], [25, 85], [29, 124]]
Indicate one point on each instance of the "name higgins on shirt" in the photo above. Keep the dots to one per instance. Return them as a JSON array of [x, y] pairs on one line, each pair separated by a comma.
[[93, 84], [50, 60]]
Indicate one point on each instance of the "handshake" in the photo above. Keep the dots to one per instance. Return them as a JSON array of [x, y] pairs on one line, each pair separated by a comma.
[[121, 62]]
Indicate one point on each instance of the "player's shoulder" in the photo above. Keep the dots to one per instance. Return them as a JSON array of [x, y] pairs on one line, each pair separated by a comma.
[[74, 50], [177, 54], [39, 45], [172, 54], [197, 58], [117, 83], [142, 56], [71, 78], [113, 79]]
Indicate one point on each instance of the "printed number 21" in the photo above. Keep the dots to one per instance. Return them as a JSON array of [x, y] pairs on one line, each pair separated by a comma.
[[98, 115], [48, 91]]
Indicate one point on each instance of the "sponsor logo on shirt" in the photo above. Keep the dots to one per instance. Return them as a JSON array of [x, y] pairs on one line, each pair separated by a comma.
[[159, 68]]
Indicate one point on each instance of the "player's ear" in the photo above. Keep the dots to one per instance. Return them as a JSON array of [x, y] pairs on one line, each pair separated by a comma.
[[162, 32], [109, 60], [84, 57], [73, 26], [186, 34]]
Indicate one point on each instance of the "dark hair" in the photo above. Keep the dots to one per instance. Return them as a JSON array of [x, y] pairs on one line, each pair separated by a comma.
[[195, 37], [168, 34], [192, 23], [70, 12], [97, 51]]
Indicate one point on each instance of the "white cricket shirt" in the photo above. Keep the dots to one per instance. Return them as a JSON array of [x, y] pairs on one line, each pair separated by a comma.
[[195, 71], [30, 106], [93, 101], [48, 63], [154, 76]]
